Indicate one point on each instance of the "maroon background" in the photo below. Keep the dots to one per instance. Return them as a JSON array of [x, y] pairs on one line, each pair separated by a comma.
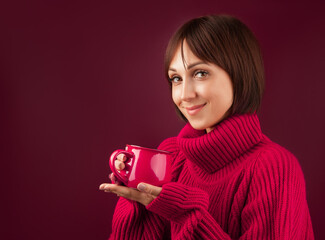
[[79, 80]]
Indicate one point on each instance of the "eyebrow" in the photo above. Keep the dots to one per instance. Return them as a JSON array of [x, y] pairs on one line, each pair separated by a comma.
[[189, 66]]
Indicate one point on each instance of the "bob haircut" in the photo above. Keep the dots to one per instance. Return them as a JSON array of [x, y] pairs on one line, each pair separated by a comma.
[[227, 42]]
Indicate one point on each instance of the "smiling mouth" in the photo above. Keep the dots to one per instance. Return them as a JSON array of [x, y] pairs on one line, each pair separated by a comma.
[[195, 109]]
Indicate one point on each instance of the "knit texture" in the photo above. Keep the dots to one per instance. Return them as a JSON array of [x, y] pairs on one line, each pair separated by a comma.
[[230, 183]]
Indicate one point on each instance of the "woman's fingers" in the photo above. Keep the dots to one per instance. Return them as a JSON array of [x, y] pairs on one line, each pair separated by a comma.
[[111, 177], [147, 188], [122, 157], [129, 193], [144, 196], [119, 165]]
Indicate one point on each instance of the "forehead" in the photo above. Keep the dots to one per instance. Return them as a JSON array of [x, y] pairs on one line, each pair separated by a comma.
[[183, 56]]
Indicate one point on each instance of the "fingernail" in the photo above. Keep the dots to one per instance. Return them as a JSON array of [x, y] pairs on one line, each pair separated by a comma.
[[120, 165], [104, 187], [142, 187]]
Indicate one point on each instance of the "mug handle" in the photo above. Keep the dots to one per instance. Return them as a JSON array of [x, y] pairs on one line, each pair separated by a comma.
[[120, 175]]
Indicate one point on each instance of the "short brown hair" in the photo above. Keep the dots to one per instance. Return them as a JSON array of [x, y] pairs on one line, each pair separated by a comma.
[[228, 43]]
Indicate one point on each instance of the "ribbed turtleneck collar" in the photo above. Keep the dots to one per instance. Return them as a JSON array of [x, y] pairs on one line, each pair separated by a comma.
[[230, 139]]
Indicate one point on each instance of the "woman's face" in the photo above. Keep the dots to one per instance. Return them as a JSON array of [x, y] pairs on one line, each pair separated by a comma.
[[202, 91]]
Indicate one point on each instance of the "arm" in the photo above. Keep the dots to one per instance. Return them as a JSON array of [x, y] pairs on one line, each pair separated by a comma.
[[187, 208], [275, 208], [132, 221]]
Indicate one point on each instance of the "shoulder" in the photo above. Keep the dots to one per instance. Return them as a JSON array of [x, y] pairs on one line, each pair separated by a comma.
[[273, 153], [276, 163], [170, 145]]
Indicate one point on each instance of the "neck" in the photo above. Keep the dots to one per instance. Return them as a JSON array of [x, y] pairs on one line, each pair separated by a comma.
[[222, 144], [209, 129]]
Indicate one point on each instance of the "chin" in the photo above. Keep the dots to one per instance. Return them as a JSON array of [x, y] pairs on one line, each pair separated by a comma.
[[199, 126]]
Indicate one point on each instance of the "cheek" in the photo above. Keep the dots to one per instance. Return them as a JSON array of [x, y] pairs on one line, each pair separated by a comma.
[[224, 95], [228, 94], [207, 92], [175, 95], [221, 100]]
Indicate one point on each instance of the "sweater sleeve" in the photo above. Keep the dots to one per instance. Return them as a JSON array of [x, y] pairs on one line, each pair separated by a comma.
[[131, 221], [187, 208], [276, 205]]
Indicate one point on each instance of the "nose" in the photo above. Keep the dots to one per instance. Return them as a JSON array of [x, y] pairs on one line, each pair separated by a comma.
[[188, 90]]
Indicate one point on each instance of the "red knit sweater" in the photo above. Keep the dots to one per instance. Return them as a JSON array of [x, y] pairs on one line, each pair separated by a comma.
[[232, 183]]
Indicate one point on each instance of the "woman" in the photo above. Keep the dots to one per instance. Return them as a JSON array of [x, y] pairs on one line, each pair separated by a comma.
[[229, 180]]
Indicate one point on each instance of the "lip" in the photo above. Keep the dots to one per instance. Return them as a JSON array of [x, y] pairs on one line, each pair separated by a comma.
[[194, 109]]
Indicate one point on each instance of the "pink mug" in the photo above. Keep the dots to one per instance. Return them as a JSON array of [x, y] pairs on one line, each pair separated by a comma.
[[146, 165]]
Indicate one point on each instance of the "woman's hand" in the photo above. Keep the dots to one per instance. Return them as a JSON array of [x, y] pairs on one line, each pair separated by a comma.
[[144, 194], [119, 165]]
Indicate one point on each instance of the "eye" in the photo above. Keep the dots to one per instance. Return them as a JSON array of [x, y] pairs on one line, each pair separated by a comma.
[[175, 80], [201, 74]]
